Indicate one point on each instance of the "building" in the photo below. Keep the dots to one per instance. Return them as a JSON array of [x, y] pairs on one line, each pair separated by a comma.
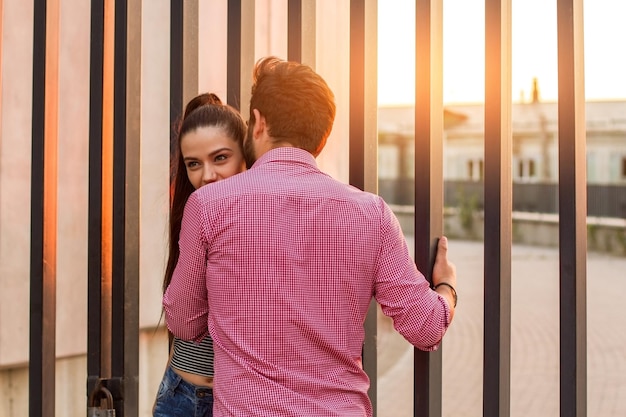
[[534, 154]]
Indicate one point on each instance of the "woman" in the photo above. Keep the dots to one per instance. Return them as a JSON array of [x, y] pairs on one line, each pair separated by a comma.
[[209, 149]]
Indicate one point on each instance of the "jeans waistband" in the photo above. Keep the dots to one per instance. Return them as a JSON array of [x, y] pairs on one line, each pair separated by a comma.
[[175, 381]]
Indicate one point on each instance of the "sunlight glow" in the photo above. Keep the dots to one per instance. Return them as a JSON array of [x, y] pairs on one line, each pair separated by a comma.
[[534, 50]]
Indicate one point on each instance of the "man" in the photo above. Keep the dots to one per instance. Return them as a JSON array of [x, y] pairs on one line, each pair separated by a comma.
[[282, 261]]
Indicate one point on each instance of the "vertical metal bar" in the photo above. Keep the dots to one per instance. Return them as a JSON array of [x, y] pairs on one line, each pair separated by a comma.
[[357, 93], [363, 172], [130, 302], [40, 349], [233, 59], [572, 210], [125, 265], [106, 260], [241, 56], [428, 181], [44, 209], [294, 30], [183, 60], [190, 50], [357, 167], [118, 322], [94, 245], [240, 49], [498, 210], [176, 69]]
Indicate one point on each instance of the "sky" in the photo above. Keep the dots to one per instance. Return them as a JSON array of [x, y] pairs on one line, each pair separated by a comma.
[[533, 43]]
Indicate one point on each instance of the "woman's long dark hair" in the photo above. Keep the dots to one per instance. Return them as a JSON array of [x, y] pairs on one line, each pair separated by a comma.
[[203, 110]]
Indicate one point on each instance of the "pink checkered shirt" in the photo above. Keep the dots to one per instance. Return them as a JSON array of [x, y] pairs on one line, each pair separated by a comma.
[[280, 264]]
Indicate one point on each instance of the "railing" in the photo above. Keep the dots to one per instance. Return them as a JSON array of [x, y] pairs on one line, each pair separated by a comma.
[[603, 200], [114, 181]]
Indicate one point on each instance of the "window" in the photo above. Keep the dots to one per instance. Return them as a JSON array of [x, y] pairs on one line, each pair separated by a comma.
[[526, 169], [475, 169]]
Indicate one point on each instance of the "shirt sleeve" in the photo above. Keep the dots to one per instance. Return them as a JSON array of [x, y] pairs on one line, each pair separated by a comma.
[[185, 299], [419, 314]]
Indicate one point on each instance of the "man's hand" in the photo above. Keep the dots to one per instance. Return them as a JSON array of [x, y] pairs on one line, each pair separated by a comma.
[[444, 274]]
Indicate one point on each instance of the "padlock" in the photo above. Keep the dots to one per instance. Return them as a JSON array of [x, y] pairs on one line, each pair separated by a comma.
[[100, 403]]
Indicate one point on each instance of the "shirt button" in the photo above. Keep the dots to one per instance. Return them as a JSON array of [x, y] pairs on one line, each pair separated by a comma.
[[201, 394]]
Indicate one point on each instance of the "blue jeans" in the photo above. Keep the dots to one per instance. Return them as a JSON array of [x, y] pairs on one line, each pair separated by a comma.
[[178, 398]]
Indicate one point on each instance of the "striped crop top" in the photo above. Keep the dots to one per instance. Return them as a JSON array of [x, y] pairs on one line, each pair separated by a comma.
[[192, 357]]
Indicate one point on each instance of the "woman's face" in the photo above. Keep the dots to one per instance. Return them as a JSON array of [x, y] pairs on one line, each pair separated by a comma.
[[210, 155]]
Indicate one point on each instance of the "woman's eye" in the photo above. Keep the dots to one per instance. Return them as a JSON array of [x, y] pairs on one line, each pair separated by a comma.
[[192, 164], [221, 158]]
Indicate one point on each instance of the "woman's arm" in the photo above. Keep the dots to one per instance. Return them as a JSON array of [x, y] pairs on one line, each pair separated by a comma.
[[185, 300]]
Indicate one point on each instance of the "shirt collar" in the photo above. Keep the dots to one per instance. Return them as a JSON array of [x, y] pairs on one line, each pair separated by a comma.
[[286, 154]]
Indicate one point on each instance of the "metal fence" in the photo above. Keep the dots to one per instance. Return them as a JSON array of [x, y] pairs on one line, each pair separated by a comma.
[[602, 200], [113, 294]]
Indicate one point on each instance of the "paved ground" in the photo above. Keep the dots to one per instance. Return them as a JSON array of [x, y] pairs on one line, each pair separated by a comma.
[[534, 340]]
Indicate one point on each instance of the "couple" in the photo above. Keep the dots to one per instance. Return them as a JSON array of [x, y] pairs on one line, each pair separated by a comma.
[[279, 263]]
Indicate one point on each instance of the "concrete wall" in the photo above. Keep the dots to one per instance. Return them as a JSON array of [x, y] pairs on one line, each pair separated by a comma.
[[71, 380], [606, 235]]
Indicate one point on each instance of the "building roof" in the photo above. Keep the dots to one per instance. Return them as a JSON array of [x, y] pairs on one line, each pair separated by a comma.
[[601, 116]]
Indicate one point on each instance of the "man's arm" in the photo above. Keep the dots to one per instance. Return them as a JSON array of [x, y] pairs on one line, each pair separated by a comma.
[[185, 300], [420, 314]]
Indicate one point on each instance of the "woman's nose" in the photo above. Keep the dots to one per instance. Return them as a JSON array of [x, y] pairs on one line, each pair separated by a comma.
[[209, 176]]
